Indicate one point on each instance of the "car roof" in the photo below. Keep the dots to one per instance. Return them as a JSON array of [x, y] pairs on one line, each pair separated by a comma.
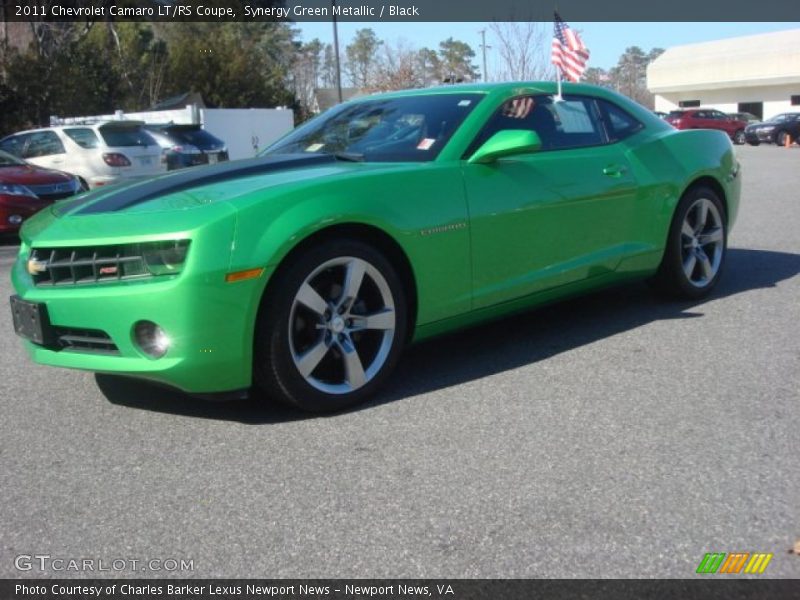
[[92, 125], [510, 87]]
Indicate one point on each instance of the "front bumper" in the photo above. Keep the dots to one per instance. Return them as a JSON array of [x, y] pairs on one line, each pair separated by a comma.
[[209, 322], [760, 136]]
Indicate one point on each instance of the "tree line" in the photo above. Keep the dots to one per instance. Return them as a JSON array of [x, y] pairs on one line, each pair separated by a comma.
[[76, 69]]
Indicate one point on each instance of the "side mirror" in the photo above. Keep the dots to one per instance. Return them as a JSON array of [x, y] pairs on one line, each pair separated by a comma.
[[507, 142]]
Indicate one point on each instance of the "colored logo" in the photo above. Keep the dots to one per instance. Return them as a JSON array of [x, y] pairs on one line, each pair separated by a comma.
[[734, 563]]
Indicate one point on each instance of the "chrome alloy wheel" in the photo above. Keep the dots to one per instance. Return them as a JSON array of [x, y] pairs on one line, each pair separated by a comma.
[[702, 242], [341, 325]]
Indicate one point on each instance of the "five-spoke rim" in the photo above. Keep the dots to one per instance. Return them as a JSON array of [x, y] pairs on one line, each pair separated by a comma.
[[341, 325], [702, 242]]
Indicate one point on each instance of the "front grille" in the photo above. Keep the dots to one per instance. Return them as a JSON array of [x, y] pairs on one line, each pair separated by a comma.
[[85, 340], [55, 197], [54, 191], [70, 266]]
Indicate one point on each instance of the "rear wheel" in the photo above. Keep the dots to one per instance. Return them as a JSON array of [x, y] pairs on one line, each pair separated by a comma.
[[696, 246], [739, 137], [332, 327], [781, 137]]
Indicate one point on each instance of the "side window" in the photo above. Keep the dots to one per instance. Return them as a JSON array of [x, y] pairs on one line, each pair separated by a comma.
[[14, 144], [577, 123], [570, 123], [619, 123], [84, 137], [700, 114], [43, 143]]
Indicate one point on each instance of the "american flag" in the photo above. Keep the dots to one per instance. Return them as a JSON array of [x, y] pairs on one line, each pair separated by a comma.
[[568, 53]]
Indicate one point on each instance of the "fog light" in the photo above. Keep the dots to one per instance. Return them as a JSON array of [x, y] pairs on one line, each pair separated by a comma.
[[151, 338], [15, 219]]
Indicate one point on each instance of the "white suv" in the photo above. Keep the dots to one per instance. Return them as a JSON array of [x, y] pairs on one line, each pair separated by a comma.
[[98, 154]]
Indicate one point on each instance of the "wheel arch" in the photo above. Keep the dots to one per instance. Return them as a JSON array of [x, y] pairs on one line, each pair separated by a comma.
[[714, 184], [369, 234]]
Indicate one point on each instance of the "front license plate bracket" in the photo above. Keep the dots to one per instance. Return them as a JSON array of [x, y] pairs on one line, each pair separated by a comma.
[[32, 322]]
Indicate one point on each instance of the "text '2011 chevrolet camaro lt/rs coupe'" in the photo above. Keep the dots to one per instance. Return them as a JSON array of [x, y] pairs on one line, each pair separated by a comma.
[[305, 271]]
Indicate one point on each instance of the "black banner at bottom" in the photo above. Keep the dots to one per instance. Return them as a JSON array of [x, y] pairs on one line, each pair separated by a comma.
[[398, 589]]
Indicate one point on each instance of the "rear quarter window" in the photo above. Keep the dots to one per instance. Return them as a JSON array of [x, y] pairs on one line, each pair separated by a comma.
[[84, 137], [123, 138], [619, 123]]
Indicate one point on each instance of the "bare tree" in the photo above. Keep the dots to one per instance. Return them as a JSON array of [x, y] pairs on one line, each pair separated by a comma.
[[524, 50], [398, 68]]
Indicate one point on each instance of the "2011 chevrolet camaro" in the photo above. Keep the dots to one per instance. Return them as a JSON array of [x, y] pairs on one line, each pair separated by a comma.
[[385, 220]]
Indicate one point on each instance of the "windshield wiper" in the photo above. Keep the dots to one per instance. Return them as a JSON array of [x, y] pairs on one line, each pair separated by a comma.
[[348, 156]]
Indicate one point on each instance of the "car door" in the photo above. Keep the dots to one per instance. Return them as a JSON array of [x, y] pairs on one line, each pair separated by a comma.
[[15, 144], [722, 122], [553, 217], [44, 148]]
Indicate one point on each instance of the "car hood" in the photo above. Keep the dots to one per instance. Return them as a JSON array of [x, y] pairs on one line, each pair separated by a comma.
[[31, 175], [200, 186]]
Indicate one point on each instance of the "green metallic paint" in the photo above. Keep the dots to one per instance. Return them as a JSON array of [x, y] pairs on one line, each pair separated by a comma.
[[507, 143], [482, 240]]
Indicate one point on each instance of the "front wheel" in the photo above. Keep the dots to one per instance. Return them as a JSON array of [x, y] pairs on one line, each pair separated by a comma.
[[739, 137], [331, 327], [696, 246]]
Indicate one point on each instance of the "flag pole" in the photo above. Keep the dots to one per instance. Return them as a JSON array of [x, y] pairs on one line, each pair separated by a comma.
[[558, 97]]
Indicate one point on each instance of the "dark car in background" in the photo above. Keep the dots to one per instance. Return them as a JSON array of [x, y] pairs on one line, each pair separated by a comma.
[[26, 189], [188, 145], [775, 130], [708, 118]]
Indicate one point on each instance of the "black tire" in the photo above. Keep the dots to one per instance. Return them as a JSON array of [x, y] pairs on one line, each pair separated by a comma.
[[756, 143], [739, 137], [288, 330], [671, 278], [780, 138]]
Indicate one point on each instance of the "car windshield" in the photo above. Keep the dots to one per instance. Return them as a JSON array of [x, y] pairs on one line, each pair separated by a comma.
[[7, 160], [405, 129], [196, 137], [675, 113]]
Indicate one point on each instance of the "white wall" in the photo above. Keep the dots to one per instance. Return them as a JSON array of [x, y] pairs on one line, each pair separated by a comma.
[[776, 99], [247, 130]]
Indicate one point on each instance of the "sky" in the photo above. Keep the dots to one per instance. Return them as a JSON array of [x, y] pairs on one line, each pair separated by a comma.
[[606, 41]]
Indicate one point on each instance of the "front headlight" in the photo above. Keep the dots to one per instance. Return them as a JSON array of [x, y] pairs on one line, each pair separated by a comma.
[[165, 258], [14, 189]]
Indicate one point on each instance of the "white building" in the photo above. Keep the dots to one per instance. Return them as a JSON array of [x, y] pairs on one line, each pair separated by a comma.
[[759, 74]]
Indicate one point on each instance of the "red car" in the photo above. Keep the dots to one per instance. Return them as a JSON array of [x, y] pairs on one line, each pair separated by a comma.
[[25, 189], [708, 118]]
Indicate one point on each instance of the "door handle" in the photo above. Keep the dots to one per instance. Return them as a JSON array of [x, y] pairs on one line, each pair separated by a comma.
[[615, 170]]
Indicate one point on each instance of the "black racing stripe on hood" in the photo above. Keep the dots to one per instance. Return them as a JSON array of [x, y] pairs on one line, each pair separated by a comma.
[[192, 178]]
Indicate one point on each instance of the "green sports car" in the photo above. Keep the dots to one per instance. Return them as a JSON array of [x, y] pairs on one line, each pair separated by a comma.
[[305, 271]]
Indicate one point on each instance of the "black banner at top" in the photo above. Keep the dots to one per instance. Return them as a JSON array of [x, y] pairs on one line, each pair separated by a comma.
[[411, 11]]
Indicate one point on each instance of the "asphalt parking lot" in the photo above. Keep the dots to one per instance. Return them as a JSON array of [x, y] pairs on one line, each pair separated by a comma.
[[612, 436]]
